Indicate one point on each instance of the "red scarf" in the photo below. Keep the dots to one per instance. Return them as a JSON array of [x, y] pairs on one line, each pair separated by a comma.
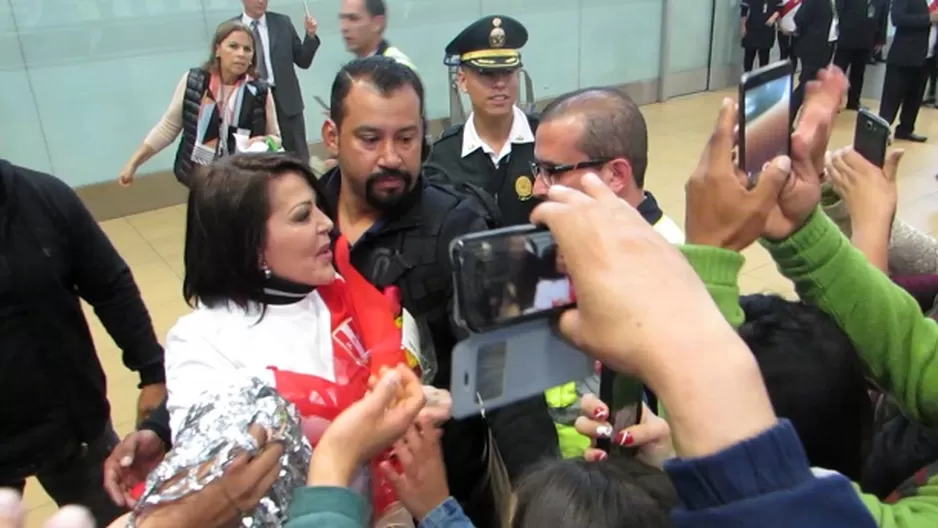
[[365, 338]]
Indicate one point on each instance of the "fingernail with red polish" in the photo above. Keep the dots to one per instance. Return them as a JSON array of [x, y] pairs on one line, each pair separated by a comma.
[[600, 414], [624, 438], [602, 456]]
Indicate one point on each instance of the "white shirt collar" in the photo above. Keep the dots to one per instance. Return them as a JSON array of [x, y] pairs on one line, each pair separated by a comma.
[[520, 133], [261, 22]]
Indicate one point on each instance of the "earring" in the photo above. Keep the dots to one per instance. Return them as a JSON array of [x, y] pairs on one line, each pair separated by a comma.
[[267, 273]]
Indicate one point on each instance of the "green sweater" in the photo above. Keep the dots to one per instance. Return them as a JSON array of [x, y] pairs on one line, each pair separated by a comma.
[[898, 344]]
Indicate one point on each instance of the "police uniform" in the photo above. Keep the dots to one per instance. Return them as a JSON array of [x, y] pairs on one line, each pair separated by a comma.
[[460, 156]]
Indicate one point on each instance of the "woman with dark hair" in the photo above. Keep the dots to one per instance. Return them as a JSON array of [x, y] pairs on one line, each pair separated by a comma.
[[214, 106], [268, 302], [614, 493]]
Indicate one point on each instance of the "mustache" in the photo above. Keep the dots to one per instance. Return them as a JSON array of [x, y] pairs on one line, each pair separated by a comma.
[[390, 173]]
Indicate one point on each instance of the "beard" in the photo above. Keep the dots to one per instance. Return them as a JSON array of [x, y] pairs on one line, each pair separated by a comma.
[[384, 199]]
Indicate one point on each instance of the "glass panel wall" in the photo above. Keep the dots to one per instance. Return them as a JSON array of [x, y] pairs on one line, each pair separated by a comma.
[[85, 80]]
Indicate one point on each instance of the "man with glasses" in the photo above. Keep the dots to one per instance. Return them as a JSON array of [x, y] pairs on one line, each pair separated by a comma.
[[493, 150], [598, 130]]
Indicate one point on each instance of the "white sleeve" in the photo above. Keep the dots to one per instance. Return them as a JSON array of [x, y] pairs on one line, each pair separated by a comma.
[[193, 365]]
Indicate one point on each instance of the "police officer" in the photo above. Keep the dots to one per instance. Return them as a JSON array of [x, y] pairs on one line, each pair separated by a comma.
[[494, 149]]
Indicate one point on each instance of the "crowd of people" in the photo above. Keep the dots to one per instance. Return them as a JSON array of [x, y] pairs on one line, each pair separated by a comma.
[[758, 411]]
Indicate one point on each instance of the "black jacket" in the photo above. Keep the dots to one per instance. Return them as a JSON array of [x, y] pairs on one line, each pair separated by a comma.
[[862, 23], [910, 43], [411, 250], [812, 33], [50, 241]]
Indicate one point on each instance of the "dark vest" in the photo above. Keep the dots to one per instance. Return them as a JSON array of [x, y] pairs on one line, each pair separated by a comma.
[[253, 117]]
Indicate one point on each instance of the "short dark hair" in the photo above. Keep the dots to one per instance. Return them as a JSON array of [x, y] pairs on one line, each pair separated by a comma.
[[384, 73], [575, 493], [613, 126], [376, 7], [815, 379], [226, 223]]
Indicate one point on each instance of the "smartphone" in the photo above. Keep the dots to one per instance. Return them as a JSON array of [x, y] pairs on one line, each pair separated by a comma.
[[511, 364], [624, 396], [765, 116], [871, 137], [507, 276]]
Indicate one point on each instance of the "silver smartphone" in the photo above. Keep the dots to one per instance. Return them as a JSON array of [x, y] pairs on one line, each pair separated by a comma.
[[512, 363]]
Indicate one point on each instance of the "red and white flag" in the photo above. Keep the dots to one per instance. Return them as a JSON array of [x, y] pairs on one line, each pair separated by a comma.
[[933, 6], [787, 16]]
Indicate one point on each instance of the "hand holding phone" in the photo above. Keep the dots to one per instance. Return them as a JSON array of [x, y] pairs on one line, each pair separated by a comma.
[[871, 137], [508, 276]]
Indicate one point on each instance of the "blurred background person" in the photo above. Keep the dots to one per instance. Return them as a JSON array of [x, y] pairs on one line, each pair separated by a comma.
[[211, 104], [862, 32], [278, 49], [758, 23], [904, 84], [363, 23]]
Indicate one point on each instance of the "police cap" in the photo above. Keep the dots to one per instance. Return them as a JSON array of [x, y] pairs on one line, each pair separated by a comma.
[[490, 43]]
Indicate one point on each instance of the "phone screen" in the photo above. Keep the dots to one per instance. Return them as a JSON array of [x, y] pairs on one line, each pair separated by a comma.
[[507, 276], [767, 124]]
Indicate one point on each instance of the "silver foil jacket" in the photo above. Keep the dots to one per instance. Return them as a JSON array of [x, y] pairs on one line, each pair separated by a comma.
[[215, 433]]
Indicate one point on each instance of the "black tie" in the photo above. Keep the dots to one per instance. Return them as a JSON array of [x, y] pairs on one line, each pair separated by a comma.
[[259, 52]]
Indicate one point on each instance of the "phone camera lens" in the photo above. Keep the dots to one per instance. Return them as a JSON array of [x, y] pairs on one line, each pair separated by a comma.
[[869, 126]]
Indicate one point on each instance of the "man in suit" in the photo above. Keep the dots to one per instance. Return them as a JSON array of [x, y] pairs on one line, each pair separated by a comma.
[[278, 48], [862, 31], [816, 31], [904, 84], [494, 149]]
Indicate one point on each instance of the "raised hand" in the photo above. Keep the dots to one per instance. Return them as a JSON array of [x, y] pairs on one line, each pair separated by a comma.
[[721, 209], [802, 193]]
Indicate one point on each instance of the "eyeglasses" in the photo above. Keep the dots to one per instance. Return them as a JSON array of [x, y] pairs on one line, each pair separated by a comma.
[[549, 171]]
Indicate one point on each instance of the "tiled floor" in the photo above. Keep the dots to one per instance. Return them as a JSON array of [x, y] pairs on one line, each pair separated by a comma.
[[152, 242]]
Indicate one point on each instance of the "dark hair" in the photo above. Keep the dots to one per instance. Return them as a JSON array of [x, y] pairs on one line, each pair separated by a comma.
[[376, 8], [226, 226], [384, 73], [815, 379], [623, 493], [613, 126], [221, 33]]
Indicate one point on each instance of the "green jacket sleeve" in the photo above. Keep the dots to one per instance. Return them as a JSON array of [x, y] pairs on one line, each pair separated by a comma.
[[898, 344], [326, 506], [719, 269], [916, 511]]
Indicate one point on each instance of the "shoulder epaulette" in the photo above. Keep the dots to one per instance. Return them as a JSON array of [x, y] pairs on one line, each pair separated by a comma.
[[452, 131]]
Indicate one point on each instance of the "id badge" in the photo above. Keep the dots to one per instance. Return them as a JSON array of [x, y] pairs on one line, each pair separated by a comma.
[[870, 11]]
